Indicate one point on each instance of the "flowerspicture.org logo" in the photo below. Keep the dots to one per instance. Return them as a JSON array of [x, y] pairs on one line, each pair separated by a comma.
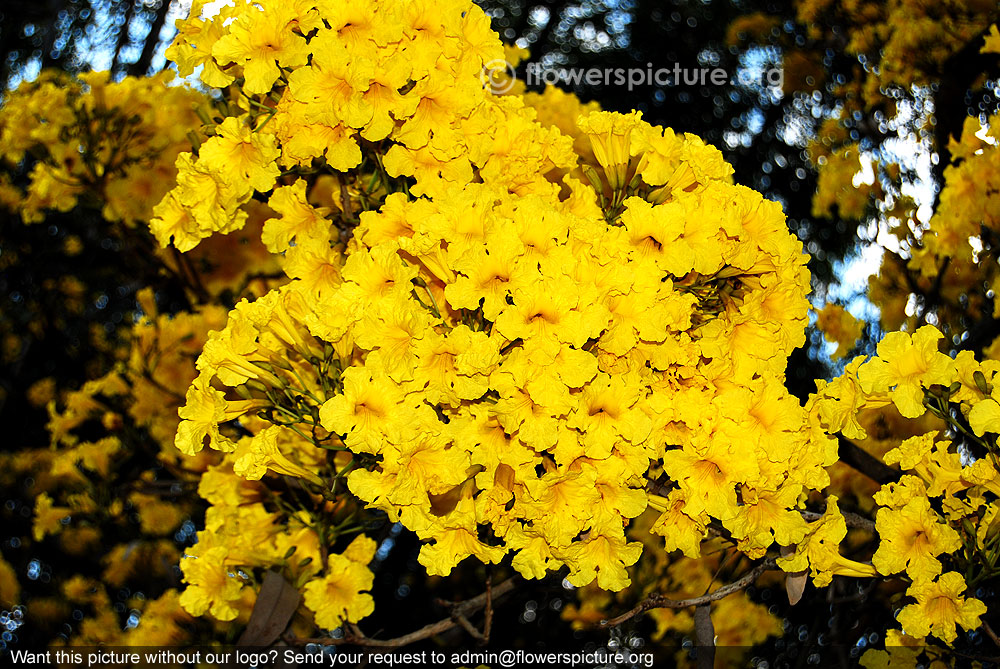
[[501, 76]]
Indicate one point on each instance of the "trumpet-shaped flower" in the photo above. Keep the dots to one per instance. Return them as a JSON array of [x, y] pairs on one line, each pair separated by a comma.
[[912, 538], [905, 366], [339, 595], [940, 607]]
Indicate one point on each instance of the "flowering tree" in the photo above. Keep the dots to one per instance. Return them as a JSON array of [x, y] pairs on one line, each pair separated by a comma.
[[531, 333]]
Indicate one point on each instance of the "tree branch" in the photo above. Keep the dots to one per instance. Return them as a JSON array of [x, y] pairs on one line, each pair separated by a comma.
[[141, 66], [704, 633], [657, 601], [863, 461], [850, 519], [123, 37], [468, 627]]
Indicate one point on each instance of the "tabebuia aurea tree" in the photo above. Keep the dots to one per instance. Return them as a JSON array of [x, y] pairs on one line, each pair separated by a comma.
[[543, 342]]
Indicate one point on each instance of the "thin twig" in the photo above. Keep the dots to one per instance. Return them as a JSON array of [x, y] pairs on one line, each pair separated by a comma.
[[468, 627], [657, 601], [991, 634], [488, 612]]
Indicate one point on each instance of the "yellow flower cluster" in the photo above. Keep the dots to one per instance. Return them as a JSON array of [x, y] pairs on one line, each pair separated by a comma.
[[902, 49], [86, 503], [109, 144], [390, 88], [956, 467], [504, 358], [945, 265], [90, 494], [909, 39], [243, 529], [243, 533], [965, 214]]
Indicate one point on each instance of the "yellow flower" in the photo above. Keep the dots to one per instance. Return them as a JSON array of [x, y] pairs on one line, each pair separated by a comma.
[[339, 595], [985, 414], [454, 537], [904, 366], [200, 417], [653, 232], [424, 466], [211, 587], [608, 414], [391, 330], [202, 203], [819, 550], [455, 367], [260, 40], [911, 537], [708, 474], [534, 557], [940, 607], [565, 500], [766, 516], [193, 47], [681, 531], [381, 274], [544, 315], [299, 219], [932, 461], [366, 412], [604, 557], [238, 155], [331, 86], [316, 264], [644, 309], [611, 136], [265, 454], [764, 415], [488, 274]]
